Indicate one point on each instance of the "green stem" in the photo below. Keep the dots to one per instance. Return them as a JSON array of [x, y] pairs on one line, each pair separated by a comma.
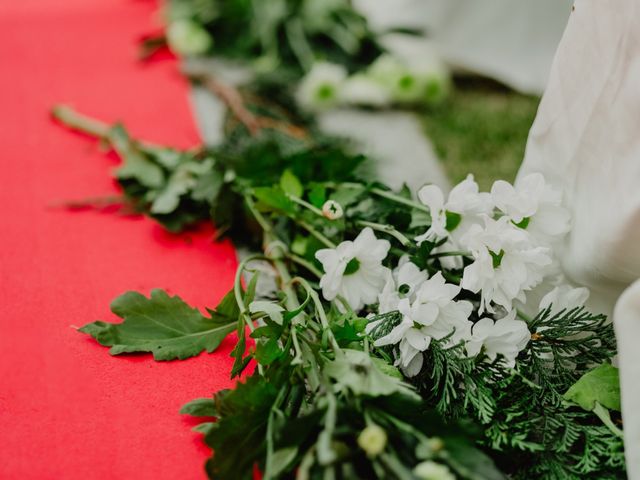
[[388, 229], [524, 316], [450, 254], [70, 118], [322, 315], [305, 264], [398, 199], [76, 121], [603, 414], [305, 204], [324, 240]]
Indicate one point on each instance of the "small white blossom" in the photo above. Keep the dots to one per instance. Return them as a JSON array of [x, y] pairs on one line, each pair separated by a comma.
[[506, 263], [332, 210], [532, 204], [461, 210], [429, 470], [433, 314], [359, 89], [372, 440], [320, 88], [506, 337], [354, 269], [188, 38], [564, 297], [404, 282]]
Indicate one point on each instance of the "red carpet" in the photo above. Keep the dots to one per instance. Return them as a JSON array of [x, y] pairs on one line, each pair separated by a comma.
[[68, 410]]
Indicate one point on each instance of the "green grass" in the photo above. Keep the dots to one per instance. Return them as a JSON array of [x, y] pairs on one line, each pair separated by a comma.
[[481, 129]]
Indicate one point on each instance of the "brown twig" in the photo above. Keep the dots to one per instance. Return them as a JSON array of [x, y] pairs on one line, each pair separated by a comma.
[[234, 100]]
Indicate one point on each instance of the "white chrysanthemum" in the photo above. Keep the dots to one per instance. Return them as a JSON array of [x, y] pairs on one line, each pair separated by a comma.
[[354, 269], [188, 38], [533, 205], [360, 89], [506, 337], [321, 87], [461, 210], [432, 315], [564, 297], [506, 263], [403, 282]]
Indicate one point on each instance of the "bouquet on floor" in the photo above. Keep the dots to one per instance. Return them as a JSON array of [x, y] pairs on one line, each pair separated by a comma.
[[324, 47], [379, 333]]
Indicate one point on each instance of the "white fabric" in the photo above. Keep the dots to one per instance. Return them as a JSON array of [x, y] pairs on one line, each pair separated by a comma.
[[512, 41], [586, 141], [626, 319]]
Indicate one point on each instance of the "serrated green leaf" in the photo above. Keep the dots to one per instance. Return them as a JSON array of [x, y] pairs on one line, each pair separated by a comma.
[[601, 385], [200, 407], [290, 184], [165, 326]]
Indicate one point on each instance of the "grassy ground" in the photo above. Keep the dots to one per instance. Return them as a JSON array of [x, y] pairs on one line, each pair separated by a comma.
[[482, 129]]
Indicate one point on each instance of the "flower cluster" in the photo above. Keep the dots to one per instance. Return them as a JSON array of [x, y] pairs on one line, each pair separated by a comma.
[[499, 243], [386, 81]]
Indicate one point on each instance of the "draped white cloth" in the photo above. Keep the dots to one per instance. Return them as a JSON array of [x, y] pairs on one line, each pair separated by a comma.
[[586, 141], [512, 41]]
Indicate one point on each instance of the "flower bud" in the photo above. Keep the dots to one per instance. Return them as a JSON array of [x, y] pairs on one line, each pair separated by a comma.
[[188, 38], [332, 210], [433, 471], [372, 440]]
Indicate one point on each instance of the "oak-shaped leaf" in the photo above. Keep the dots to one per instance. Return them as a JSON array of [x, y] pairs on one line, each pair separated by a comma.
[[163, 325]]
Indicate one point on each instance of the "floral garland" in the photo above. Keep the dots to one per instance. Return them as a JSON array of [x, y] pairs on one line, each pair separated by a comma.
[[390, 335]]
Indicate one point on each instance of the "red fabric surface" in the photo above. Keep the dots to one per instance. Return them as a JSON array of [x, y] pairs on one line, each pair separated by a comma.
[[68, 410]]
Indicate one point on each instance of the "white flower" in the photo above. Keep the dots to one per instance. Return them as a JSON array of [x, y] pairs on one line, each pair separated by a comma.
[[533, 205], [564, 297], [506, 337], [270, 309], [332, 210], [320, 88], [402, 283], [359, 89], [433, 314], [354, 269], [188, 38], [429, 470], [506, 263], [461, 210], [425, 82], [372, 440]]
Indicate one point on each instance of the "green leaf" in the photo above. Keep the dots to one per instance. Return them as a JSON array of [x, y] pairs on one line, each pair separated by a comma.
[[136, 165], [200, 407], [290, 184], [168, 200], [274, 199], [281, 459], [163, 325], [267, 352], [601, 385], [318, 195]]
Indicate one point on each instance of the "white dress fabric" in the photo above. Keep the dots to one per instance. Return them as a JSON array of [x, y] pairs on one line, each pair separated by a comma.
[[512, 41], [586, 141]]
